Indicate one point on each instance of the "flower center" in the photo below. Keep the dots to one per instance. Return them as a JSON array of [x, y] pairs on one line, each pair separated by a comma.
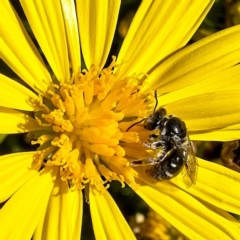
[[84, 128]]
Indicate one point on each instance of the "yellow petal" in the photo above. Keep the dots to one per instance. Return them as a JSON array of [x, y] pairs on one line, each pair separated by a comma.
[[76, 203], [197, 62], [70, 20], [23, 210], [16, 169], [208, 111], [216, 184], [19, 52], [189, 215], [108, 222], [158, 29], [222, 81], [58, 222], [15, 95], [224, 134], [97, 23], [47, 24], [13, 121]]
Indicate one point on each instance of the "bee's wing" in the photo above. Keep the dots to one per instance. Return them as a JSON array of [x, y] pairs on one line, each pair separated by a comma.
[[188, 155]]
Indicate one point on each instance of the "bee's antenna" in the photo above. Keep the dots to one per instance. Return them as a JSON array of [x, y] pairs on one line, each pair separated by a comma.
[[135, 124], [155, 94]]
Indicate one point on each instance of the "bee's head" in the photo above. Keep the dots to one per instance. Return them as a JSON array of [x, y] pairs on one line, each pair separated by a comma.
[[154, 120]]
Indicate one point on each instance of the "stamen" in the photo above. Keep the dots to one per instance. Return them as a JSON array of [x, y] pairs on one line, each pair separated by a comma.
[[88, 117]]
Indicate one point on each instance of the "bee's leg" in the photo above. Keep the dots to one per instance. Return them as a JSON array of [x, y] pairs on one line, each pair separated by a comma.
[[153, 137], [156, 145], [166, 155], [144, 162]]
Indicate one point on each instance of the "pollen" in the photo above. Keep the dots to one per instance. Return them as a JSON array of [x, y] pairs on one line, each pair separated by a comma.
[[84, 124]]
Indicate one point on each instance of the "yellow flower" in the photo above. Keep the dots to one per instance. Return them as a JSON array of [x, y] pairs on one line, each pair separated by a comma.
[[79, 117]]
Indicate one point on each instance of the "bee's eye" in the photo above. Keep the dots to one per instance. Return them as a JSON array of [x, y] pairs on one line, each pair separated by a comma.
[[161, 113], [150, 124]]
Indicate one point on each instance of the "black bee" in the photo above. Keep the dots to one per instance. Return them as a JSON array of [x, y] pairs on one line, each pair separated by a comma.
[[172, 145]]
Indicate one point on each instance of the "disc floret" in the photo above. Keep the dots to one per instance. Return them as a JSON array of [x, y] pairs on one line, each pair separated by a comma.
[[84, 123]]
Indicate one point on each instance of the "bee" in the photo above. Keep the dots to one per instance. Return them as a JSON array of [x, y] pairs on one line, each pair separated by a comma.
[[172, 146]]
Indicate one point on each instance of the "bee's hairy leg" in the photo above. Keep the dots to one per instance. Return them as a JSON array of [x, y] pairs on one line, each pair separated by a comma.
[[144, 162], [153, 137], [156, 145]]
